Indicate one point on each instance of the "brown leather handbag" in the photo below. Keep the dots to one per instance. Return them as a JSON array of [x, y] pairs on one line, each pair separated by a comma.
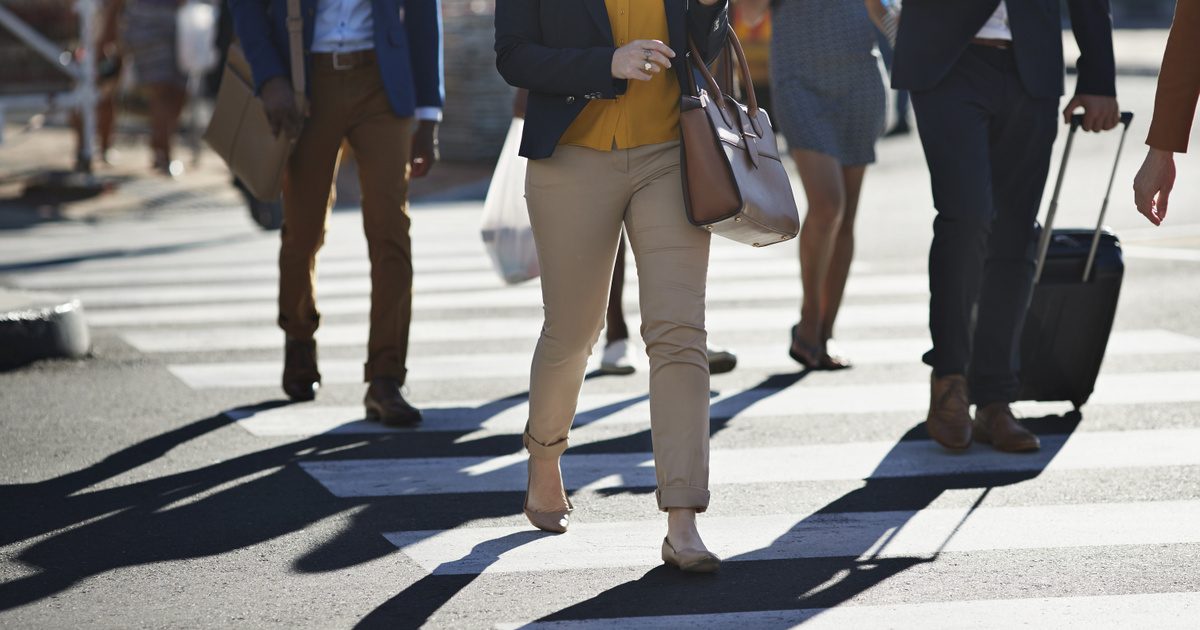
[[239, 131], [734, 183]]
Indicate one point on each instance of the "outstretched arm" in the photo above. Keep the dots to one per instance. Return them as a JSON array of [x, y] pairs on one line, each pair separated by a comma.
[[1174, 108]]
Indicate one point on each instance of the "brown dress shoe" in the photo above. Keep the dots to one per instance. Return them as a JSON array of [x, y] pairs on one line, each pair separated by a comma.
[[995, 424], [385, 403], [949, 419], [300, 376]]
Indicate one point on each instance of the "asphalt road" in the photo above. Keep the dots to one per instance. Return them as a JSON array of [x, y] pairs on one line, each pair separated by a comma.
[[164, 483]]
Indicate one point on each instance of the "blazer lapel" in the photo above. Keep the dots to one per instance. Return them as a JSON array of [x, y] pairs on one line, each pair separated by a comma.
[[600, 15]]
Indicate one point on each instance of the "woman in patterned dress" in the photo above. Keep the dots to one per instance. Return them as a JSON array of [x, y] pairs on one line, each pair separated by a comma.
[[829, 102]]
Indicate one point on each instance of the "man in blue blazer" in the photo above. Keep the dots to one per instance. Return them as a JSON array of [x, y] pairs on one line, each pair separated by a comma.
[[374, 80], [986, 77]]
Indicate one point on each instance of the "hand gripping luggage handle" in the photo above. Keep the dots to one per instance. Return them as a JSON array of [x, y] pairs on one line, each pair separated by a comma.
[[1048, 228]]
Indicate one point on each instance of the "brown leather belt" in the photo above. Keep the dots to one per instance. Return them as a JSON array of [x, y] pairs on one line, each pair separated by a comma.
[[344, 60], [1002, 44]]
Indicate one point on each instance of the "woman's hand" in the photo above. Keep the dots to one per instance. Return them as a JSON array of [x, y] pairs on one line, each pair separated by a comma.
[[1153, 184], [641, 59]]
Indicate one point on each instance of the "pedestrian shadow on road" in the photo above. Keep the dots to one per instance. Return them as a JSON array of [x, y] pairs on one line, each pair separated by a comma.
[[70, 531], [418, 602], [844, 544]]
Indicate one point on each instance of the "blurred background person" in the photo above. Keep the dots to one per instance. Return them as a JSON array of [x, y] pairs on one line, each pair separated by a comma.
[[108, 75], [829, 102], [149, 36], [1174, 109]]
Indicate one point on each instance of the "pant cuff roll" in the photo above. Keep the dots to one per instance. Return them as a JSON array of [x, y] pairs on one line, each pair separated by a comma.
[[543, 450], [687, 497]]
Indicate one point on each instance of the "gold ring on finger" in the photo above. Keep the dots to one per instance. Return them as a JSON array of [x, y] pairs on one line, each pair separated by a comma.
[[649, 66]]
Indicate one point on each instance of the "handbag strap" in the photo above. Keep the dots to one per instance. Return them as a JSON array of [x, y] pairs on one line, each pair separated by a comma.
[[733, 46], [295, 29]]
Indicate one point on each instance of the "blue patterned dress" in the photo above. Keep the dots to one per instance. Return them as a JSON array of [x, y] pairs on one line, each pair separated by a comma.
[[826, 83]]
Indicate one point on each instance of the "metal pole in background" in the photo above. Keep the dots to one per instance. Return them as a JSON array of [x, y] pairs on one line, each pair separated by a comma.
[[87, 83]]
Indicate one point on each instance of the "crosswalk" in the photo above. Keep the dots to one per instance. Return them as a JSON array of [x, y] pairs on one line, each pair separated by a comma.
[[851, 476]]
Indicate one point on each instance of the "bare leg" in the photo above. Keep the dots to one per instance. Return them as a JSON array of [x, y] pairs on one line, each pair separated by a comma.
[[616, 329], [166, 105], [681, 529], [843, 255], [825, 191]]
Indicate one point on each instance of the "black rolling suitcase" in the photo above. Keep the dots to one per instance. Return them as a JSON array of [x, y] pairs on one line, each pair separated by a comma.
[[1074, 300]]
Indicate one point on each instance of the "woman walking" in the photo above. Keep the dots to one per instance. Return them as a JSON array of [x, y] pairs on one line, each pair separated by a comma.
[[829, 101], [602, 136]]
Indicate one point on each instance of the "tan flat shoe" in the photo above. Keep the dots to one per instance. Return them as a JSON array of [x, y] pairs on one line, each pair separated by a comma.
[[554, 521], [690, 560]]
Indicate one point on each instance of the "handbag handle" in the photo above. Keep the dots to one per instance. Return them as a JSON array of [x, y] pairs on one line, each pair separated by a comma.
[[733, 47], [295, 26]]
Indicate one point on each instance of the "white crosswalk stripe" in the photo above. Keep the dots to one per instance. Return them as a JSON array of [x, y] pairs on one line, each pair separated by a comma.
[[819, 462], [1171, 611], [792, 536], [208, 314]]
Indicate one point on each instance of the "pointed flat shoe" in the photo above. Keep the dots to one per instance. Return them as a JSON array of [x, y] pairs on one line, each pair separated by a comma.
[[690, 560]]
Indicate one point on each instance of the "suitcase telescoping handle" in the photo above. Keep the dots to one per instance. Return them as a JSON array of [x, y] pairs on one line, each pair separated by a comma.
[[1048, 228]]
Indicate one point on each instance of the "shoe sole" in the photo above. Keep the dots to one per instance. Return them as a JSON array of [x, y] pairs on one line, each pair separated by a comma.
[[721, 366], [617, 371], [399, 422]]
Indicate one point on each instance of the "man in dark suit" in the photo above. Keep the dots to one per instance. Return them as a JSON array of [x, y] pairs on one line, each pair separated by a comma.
[[374, 71], [985, 77]]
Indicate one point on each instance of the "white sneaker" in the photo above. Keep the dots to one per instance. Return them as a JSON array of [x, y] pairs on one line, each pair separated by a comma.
[[616, 358]]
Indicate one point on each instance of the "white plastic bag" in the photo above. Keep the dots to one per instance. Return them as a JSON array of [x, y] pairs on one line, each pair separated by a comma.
[[196, 35], [505, 230]]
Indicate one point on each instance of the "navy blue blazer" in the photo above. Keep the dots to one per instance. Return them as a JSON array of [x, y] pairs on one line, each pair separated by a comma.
[[934, 33], [562, 53], [408, 46]]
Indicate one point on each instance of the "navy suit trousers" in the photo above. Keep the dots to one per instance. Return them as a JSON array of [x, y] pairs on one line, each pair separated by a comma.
[[987, 143]]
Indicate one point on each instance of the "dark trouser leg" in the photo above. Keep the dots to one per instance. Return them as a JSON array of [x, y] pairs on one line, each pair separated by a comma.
[[382, 145], [954, 119], [1021, 140]]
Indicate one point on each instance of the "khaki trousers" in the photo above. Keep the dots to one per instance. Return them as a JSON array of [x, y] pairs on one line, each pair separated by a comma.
[[578, 200], [351, 105]]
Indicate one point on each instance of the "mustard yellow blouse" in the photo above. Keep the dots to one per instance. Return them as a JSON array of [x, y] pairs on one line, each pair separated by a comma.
[[648, 112]]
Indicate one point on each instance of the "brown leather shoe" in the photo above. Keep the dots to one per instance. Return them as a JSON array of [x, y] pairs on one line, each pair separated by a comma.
[[386, 404], [949, 419], [995, 424], [301, 380]]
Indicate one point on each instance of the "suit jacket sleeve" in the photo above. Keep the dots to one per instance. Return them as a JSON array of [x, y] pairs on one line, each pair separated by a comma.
[[525, 62], [709, 28], [1178, 82], [1091, 20], [253, 28], [423, 19]]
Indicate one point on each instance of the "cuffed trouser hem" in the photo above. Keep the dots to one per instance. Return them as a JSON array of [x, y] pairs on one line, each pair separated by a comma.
[[686, 497], [389, 369], [543, 450]]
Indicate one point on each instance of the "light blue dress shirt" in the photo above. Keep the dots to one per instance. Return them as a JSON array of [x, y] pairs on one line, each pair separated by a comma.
[[347, 26]]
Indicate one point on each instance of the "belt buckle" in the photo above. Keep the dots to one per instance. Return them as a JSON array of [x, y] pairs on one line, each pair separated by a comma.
[[337, 63]]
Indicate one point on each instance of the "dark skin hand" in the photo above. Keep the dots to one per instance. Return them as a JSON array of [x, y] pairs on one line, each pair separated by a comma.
[[280, 104], [424, 148]]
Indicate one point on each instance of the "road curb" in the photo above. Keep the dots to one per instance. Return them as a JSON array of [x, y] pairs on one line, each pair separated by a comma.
[[36, 325]]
